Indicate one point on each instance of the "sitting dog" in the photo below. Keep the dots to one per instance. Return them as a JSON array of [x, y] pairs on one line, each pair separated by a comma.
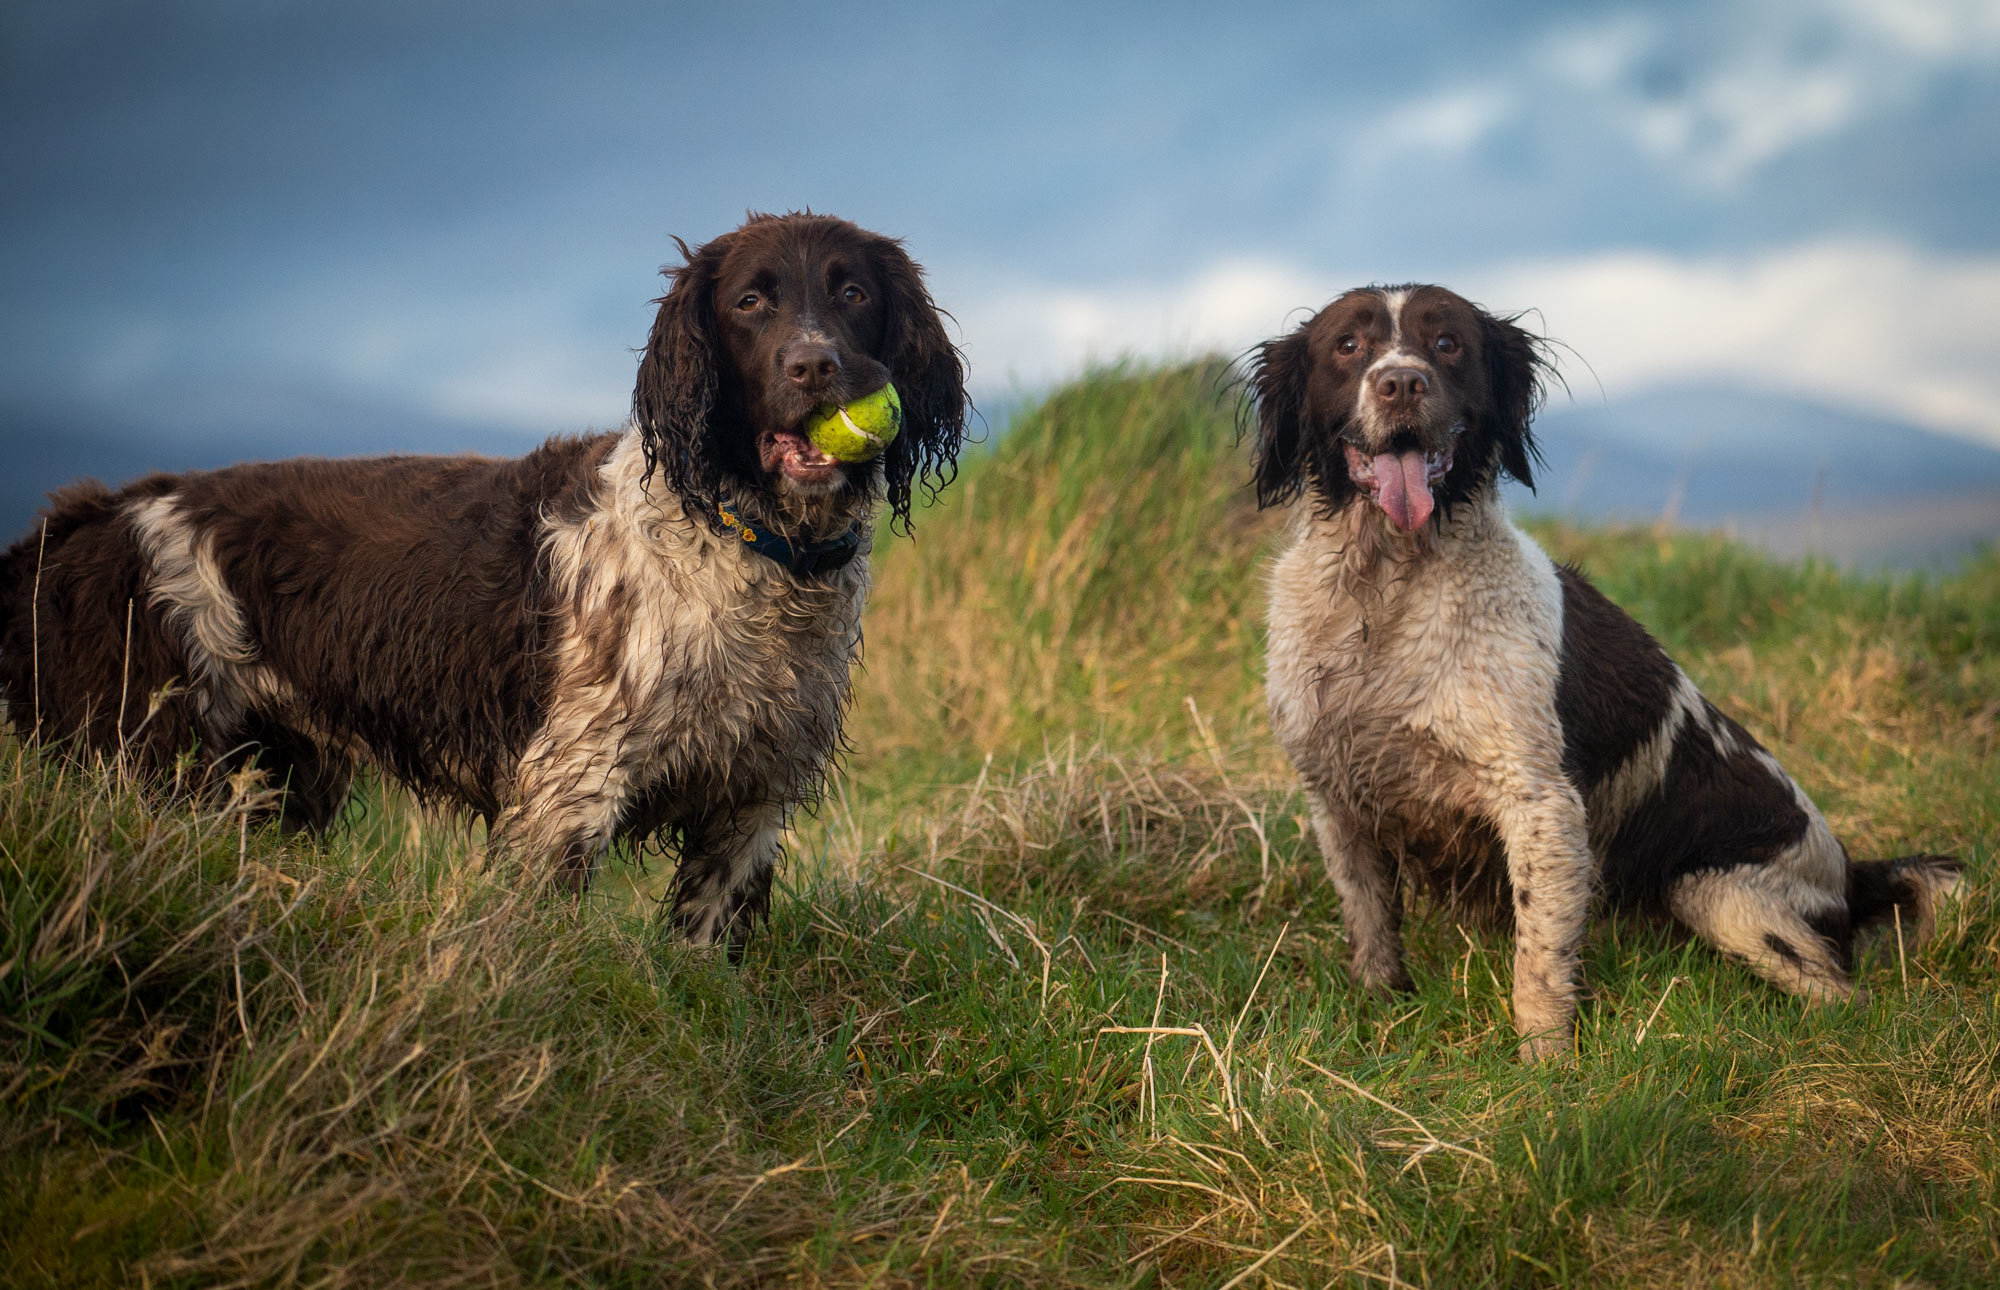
[[1465, 714], [627, 635]]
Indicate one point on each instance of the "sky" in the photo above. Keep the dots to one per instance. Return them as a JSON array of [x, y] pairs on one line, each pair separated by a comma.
[[360, 226]]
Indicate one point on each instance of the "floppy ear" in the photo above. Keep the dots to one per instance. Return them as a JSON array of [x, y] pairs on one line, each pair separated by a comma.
[[1278, 378], [1514, 367], [673, 403], [930, 378]]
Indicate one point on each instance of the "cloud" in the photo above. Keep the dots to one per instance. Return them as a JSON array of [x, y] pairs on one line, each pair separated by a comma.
[[1942, 31], [1761, 81], [1450, 122], [1876, 326], [1033, 334]]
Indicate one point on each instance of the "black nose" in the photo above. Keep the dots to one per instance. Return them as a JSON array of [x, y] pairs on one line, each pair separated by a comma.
[[811, 365], [1401, 387]]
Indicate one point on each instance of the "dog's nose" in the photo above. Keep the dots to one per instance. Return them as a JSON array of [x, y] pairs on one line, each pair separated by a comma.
[[1401, 387], [811, 365]]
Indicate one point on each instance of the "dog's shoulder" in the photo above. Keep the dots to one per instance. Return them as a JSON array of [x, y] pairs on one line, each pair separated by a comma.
[[563, 473]]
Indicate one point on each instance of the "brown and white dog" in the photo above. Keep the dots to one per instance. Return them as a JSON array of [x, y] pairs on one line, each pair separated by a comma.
[[632, 635], [1467, 715]]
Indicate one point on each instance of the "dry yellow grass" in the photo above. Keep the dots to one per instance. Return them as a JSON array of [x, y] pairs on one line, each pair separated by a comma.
[[1052, 994]]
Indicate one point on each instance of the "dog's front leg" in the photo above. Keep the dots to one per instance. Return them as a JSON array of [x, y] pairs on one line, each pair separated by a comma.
[[1541, 822], [569, 797], [1371, 899], [724, 879], [565, 846]]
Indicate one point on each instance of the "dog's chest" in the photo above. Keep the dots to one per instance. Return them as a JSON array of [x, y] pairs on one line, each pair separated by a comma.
[[745, 675], [1398, 677], [691, 662]]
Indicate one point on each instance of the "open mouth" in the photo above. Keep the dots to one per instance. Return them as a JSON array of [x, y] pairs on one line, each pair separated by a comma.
[[798, 457], [1399, 482]]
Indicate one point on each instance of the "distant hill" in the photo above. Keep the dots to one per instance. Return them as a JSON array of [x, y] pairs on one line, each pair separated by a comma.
[[1791, 475]]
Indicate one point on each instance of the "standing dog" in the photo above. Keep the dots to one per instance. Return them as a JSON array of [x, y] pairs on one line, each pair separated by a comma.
[[1466, 714], [625, 635]]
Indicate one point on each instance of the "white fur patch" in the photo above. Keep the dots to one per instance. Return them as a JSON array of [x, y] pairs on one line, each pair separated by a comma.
[[187, 583], [1394, 302], [1621, 792]]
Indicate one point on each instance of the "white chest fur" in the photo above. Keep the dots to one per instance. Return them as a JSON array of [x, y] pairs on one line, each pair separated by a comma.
[[1454, 636], [685, 661]]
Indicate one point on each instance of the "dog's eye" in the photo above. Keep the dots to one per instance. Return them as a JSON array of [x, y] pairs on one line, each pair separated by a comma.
[[1347, 344], [1446, 344], [749, 301], [853, 295]]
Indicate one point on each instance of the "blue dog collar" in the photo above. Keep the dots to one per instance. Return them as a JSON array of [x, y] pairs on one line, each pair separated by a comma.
[[803, 559]]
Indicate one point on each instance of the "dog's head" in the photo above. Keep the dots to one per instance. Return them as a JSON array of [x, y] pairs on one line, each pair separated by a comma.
[[766, 323], [1410, 395]]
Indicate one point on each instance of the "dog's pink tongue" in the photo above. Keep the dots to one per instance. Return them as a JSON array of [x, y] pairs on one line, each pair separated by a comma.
[[1406, 494]]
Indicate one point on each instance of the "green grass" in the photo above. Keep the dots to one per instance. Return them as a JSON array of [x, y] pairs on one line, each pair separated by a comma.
[[231, 1058]]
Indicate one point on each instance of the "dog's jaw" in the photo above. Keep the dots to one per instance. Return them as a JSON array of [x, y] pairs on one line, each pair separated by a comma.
[[797, 464]]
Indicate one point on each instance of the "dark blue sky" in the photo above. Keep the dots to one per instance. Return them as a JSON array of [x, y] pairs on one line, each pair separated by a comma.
[[356, 226]]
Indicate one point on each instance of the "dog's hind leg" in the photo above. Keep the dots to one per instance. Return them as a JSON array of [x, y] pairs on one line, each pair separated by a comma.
[[1784, 931], [1795, 923], [1786, 917], [314, 779], [1371, 898]]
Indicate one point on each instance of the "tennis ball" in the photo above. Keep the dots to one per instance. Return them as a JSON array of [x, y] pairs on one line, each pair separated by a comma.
[[860, 430]]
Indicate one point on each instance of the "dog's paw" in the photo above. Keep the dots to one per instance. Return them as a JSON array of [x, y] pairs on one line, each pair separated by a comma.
[[1548, 1045], [1393, 986], [1385, 980]]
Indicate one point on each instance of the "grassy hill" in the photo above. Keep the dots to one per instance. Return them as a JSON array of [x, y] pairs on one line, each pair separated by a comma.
[[231, 1058]]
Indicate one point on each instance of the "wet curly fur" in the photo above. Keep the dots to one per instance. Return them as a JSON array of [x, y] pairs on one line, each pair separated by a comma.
[[569, 644]]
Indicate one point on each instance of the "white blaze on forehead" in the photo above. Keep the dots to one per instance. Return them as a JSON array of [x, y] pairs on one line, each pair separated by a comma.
[[1394, 301], [1396, 355]]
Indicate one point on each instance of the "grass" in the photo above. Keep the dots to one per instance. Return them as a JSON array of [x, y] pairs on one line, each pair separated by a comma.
[[1052, 993]]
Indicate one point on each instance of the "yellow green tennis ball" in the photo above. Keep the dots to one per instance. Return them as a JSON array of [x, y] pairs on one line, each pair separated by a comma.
[[860, 430]]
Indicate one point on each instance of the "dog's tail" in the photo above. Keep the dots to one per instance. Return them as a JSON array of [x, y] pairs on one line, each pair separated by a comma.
[[1904, 890]]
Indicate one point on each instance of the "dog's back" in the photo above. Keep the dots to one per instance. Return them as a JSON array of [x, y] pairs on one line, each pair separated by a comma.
[[213, 604]]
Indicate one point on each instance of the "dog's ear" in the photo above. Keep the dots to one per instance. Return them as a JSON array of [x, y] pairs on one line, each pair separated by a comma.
[[1515, 367], [930, 378], [1278, 382], [673, 402]]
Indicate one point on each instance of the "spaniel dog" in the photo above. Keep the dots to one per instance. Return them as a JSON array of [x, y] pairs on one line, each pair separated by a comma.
[[632, 635], [1468, 716]]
